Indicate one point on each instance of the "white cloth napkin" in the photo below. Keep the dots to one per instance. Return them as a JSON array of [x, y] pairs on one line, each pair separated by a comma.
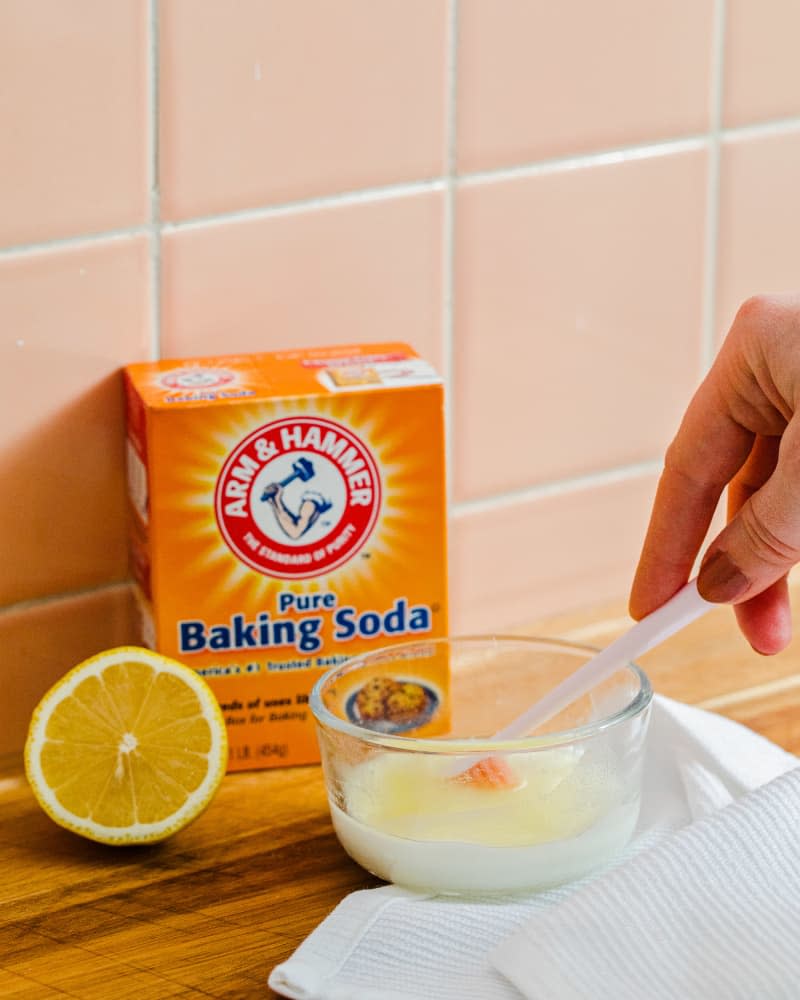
[[703, 905]]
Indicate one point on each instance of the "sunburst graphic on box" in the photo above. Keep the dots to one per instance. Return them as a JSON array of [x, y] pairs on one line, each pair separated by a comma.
[[332, 494]]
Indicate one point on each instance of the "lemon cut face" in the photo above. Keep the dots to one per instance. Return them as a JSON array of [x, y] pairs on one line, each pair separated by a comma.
[[127, 748]]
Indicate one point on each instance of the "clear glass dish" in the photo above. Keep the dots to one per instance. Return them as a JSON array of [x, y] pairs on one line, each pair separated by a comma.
[[405, 736]]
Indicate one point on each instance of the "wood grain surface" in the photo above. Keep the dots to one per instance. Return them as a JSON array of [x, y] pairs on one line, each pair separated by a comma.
[[211, 911]]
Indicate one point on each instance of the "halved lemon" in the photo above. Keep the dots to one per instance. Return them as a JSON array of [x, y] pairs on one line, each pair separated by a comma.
[[127, 748]]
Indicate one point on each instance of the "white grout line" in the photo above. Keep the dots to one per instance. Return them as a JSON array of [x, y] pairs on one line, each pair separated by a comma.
[[367, 195], [362, 197], [606, 157], [711, 249], [779, 126], [448, 248], [155, 216], [605, 477], [73, 242], [155, 294], [665, 147]]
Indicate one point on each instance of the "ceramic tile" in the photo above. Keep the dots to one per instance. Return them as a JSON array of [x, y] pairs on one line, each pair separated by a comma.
[[761, 78], [362, 272], [42, 641], [516, 563], [73, 114], [263, 101], [540, 80], [759, 218], [578, 316], [69, 320]]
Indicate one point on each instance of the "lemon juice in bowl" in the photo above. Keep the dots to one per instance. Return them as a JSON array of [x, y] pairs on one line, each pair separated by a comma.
[[404, 805]]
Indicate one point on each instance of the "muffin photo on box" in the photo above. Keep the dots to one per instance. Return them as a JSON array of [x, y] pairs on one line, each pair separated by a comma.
[[392, 705]]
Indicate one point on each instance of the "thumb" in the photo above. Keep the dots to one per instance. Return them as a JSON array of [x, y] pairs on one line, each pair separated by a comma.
[[762, 542]]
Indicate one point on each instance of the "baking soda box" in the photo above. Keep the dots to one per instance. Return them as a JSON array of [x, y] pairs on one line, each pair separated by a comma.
[[287, 512]]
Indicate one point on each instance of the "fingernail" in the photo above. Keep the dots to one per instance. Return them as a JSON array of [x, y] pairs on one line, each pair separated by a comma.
[[720, 580]]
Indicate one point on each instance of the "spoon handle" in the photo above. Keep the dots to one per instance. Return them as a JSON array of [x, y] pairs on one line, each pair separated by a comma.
[[680, 610]]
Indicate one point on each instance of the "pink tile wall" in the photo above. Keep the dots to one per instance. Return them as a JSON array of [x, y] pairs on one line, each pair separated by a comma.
[[578, 319], [69, 319], [73, 103], [759, 219], [285, 101], [536, 555], [562, 205], [341, 274], [539, 80], [760, 82]]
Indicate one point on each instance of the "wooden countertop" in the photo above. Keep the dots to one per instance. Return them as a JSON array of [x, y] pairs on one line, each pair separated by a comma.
[[211, 911]]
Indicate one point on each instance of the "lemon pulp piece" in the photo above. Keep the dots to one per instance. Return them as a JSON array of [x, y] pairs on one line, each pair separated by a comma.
[[127, 748]]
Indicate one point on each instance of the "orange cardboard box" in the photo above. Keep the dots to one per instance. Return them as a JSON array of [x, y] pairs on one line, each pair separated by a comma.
[[287, 512]]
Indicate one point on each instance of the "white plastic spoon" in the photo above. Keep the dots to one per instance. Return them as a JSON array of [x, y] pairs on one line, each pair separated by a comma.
[[679, 611]]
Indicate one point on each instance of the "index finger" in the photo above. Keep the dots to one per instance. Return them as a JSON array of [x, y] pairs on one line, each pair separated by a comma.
[[706, 453]]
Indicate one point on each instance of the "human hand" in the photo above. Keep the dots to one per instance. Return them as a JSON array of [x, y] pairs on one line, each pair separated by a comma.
[[741, 430]]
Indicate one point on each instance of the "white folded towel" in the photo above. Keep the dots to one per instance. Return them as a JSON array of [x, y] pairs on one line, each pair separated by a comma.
[[704, 903]]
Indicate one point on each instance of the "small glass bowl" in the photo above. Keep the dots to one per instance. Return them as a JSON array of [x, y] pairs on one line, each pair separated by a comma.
[[405, 733]]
